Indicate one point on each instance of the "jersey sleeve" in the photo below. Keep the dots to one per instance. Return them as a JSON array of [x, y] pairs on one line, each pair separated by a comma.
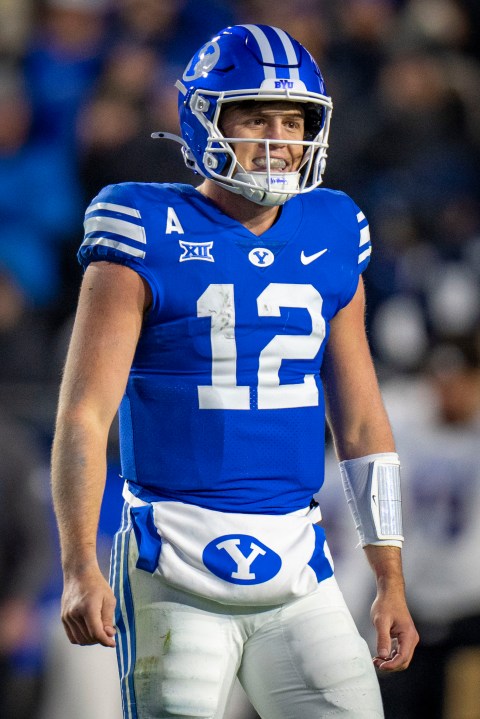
[[115, 232], [364, 242], [359, 247]]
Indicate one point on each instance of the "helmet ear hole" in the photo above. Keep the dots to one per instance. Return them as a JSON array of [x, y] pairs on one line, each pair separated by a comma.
[[314, 120]]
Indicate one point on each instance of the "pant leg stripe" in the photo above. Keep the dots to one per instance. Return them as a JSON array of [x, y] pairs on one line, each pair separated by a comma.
[[124, 616], [116, 583]]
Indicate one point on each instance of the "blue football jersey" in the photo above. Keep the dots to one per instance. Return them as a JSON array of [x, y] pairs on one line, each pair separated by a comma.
[[224, 405]]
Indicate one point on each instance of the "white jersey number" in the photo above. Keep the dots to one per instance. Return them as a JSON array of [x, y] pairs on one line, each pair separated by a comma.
[[217, 302]]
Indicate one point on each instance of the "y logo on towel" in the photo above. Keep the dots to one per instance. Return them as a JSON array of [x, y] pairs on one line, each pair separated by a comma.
[[241, 559]]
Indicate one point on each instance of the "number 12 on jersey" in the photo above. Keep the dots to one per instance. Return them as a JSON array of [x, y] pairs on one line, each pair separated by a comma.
[[218, 303]]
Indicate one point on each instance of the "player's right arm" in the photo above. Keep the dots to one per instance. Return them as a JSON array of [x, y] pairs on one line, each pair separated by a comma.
[[110, 311]]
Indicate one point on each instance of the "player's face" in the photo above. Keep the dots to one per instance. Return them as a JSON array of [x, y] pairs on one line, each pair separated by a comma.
[[278, 121]]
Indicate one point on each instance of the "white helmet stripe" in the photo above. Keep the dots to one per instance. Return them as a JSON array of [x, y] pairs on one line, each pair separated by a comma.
[[265, 49], [290, 52], [267, 52]]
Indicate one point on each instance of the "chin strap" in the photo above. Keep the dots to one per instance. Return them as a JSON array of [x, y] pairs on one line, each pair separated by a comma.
[[264, 182]]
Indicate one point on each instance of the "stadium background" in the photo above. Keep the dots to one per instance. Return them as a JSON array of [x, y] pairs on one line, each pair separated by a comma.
[[82, 85]]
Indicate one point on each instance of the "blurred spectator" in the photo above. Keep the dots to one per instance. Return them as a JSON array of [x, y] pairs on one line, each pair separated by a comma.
[[454, 302], [433, 24], [150, 23], [63, 62], [25, 555], [441, 490], [131, 70], [472, 8], [39, 198], [16, 20], [354, 60], [24, 336], [114, 135], [421, 290], [309, 23], [400, 334], [174, 28], [431, 157]]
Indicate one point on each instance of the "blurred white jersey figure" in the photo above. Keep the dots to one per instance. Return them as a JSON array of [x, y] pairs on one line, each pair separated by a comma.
[[79, 682]]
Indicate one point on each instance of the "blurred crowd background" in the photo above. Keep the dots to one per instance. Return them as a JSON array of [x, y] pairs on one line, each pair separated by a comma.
[[83, 83]]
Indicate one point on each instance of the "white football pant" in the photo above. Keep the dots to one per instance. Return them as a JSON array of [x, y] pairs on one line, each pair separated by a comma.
[[179, 654]]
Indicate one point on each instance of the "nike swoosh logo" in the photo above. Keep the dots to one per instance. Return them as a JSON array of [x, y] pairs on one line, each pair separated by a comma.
[[306, 259]]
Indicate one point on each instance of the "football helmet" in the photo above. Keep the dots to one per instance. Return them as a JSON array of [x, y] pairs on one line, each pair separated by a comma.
[[245, 63]]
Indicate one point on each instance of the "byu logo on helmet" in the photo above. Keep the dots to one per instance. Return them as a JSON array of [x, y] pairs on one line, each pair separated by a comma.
[[208, 57], [241, 559]]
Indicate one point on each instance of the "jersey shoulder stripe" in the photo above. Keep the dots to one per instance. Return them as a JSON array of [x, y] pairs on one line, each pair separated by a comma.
[[112, 207], [364, 241], [115, 226], [111, 225], [114, 244]]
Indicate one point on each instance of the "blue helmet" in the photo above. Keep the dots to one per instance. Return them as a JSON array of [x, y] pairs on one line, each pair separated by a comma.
[[252, 63]]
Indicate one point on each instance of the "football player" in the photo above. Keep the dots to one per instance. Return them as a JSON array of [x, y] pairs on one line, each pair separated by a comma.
[[216, 319]]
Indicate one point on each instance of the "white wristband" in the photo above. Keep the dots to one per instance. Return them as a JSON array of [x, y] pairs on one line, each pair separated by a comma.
[[372, 489]]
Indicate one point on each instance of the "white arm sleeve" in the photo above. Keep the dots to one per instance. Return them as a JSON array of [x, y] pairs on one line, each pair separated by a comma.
[[372, 489]]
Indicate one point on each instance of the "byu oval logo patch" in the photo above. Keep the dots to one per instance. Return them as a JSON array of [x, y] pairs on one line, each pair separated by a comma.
[[261, 257], [241, 559]]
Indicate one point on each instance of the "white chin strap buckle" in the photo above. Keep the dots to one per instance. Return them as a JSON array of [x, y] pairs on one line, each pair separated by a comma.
[[372, 488], [267, 188]]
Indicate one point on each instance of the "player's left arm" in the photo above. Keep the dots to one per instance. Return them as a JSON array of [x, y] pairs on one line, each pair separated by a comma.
[[360, 427]]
